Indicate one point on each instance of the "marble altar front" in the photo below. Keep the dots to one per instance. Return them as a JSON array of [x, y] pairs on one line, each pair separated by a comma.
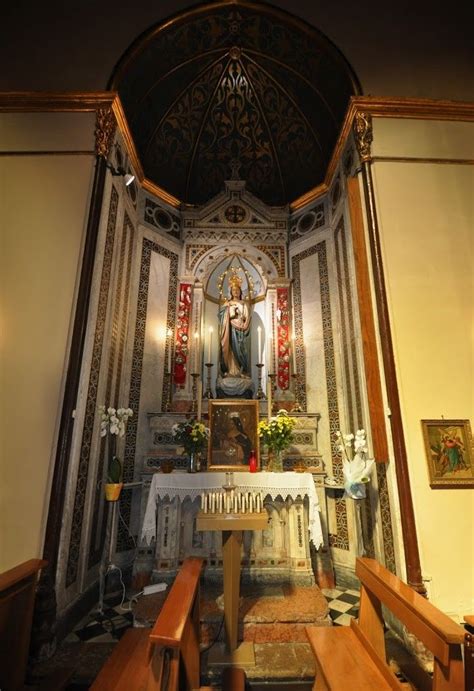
[[280, 552]]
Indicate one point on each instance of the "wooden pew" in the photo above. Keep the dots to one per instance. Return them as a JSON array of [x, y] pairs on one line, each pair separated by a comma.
[[17, 596], [167, 658], [355, 656]]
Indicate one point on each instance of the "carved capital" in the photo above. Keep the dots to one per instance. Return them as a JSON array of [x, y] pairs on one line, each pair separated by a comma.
[[363, 135], [105, 127]]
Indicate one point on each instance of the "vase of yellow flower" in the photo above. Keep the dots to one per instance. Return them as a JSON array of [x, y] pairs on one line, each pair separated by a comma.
[[277, 434], [193, 436]]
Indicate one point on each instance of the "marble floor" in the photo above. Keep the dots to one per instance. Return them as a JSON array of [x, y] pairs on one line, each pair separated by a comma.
[[274, 617]]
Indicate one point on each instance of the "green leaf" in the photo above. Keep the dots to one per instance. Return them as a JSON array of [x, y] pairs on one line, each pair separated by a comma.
[[114, 472]]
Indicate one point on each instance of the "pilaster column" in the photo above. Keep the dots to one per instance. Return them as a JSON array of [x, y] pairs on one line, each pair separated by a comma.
[[44, 631], [363, 137]]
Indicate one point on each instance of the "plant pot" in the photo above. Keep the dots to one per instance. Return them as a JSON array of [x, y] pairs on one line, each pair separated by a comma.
[[112, 490]]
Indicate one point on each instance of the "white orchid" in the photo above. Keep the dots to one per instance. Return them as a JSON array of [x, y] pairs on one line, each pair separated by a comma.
[[114, 421]]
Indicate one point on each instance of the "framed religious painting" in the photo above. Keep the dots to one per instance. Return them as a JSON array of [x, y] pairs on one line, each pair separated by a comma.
[[233, 435], [449, 452]]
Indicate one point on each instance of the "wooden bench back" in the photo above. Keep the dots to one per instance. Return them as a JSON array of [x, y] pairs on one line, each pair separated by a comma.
[[17, 596], [440, 634], [174, 639]]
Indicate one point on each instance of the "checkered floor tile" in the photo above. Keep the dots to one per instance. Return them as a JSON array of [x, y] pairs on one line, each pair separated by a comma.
[[343, 605]]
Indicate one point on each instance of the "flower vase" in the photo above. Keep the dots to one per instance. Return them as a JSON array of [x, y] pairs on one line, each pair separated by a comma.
[[275, 460], [192, 462], [356, 476]]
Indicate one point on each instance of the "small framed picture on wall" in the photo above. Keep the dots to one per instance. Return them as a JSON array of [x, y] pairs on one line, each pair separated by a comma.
[[449, 452]]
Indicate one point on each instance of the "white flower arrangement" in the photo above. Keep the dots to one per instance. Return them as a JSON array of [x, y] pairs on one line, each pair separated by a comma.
[[355, 464], [113, 421]]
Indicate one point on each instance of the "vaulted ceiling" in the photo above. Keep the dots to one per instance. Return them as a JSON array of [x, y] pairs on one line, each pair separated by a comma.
[[234, 90]]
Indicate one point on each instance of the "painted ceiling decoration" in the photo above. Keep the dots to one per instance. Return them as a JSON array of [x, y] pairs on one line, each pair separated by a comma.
[[234, 90]]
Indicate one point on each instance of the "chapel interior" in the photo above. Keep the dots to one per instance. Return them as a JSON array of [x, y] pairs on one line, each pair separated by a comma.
[[216, 212]]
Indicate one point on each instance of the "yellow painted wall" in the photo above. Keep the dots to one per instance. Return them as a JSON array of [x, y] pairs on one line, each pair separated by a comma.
[[427, 231], [43, 209]]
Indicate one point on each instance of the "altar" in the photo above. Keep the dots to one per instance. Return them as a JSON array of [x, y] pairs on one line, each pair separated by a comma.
[[282, 551]]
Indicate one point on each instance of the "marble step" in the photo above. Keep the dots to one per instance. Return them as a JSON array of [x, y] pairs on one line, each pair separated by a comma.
[[268, 613]]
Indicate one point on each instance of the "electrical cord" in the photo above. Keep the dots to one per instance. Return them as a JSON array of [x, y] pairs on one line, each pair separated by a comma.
[[216, 637]]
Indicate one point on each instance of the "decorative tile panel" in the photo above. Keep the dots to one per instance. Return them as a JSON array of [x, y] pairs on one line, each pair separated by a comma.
[[341, 540], [115, 364], [124, 541], [91, 400]]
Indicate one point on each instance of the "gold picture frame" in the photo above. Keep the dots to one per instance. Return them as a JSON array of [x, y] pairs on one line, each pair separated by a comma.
[[449, 452], [233, 429]]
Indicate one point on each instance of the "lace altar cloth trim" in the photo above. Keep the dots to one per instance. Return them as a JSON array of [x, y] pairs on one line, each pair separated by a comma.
[[275, 485]]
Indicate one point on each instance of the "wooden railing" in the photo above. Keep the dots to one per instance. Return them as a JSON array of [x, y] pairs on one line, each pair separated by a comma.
[[355, 656], [17, 595]]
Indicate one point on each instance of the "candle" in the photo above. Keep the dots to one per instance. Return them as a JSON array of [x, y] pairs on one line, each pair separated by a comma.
[[259, 342], [209, 344], [270, 355], [199, 399], [269, 398], [293, 352]]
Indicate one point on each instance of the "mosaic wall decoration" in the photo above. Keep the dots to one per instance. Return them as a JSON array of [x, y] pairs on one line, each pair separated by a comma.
[[91, 399], [307, 222], [161, 218], [194, 254], [124, 540], [283, 339], [277, 254], [387, 532], [341, 539], [348, 336], [115, 364], [181, 344]]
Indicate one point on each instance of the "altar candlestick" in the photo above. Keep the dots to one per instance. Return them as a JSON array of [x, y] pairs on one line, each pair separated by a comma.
[[196, 351], [209, 344], [199, 399], [259, 342], [269, 397]]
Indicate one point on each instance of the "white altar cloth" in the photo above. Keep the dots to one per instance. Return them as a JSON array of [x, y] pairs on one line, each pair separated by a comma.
[[191, 485]]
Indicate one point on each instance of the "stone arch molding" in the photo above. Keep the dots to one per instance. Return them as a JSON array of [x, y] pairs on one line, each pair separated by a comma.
[[263, 265]]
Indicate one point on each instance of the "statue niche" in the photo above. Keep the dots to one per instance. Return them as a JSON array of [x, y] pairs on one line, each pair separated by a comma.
[[234, 379]]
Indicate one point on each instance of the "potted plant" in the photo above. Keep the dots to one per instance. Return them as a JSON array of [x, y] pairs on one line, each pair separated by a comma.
[[112, 425], [193, 436], [356, 467], [277, 434]]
